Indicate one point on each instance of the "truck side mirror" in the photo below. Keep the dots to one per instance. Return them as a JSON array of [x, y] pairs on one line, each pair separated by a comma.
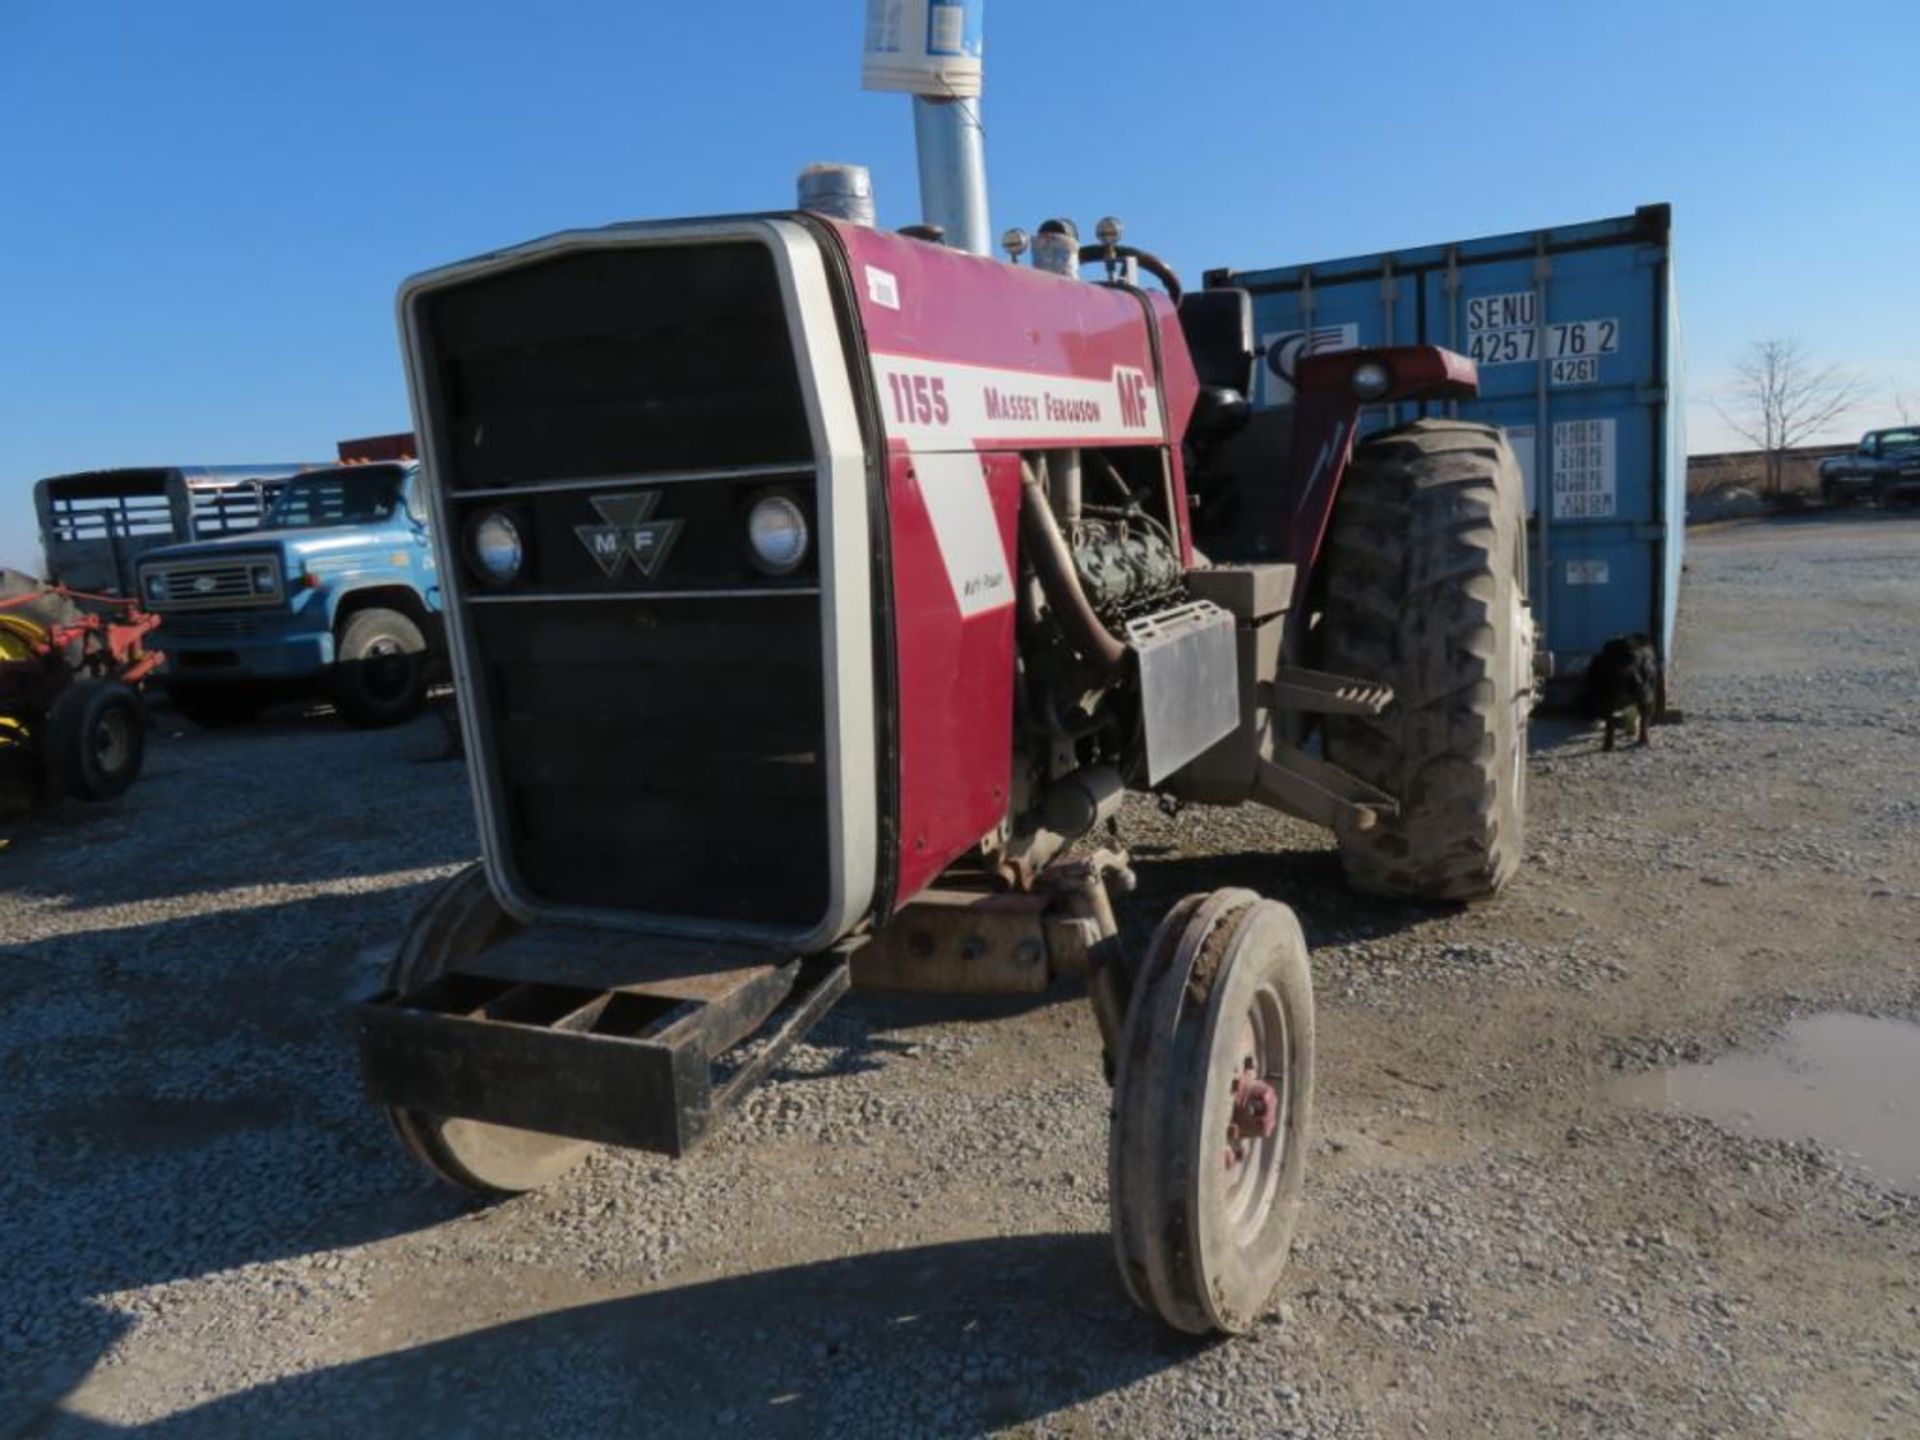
[[413, 503]]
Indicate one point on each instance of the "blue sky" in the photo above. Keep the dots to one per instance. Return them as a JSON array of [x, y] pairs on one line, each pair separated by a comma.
[[208, 204]]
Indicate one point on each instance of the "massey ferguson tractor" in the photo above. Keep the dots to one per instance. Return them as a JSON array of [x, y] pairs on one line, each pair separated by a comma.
[[815, 595]]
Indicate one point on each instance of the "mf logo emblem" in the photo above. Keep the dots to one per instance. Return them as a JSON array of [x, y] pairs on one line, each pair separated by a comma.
[[630, 533], [1132, 385]]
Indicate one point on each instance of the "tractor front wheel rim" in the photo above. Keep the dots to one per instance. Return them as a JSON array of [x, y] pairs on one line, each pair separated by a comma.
[[1256, 1079]]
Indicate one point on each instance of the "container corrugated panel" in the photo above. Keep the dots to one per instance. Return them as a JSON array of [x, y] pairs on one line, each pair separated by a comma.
[[1576, 333]]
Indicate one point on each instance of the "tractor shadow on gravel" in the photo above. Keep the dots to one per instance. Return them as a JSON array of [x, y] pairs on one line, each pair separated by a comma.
[[181, 1098], [963, 1338], [1308, 880]]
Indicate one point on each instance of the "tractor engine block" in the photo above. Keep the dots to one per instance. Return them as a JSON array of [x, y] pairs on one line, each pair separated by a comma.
[[1126, 562]]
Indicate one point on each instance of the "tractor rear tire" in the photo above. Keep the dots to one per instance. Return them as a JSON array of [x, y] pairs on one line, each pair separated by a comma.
[[1426, 590], [96, 738], [452, 925], [1212, 1104], [380, 669]]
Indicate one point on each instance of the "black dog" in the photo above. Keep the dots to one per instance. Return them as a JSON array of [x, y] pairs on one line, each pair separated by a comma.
[[1622, 682]]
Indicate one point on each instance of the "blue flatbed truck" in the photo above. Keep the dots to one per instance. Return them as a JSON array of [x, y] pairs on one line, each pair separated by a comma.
[[334, 594]]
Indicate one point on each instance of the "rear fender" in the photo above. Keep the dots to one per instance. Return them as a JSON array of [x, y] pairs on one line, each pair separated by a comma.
[[1326, 417]]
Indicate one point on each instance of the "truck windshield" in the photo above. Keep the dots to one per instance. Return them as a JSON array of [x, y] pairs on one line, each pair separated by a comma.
[[1899, 439], [336, 497]]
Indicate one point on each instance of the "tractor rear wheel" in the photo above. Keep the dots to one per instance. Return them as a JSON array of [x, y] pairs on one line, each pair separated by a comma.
[[453, 925], [1426, 590], [1213, 1096], [96, 738]]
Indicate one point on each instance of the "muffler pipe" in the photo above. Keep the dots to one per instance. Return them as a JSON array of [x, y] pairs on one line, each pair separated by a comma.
[[1053, 565]]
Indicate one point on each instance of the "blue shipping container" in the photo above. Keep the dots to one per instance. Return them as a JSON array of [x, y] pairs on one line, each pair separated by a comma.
[[1577, 336]]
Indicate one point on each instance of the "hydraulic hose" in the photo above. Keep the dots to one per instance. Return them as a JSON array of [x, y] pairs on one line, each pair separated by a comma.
[[1053, 565]]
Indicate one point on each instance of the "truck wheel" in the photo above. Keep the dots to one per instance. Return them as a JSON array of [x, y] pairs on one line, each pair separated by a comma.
[[380, 669], [217, 707], [1426, 589], [455, 923], [96, 737], [1212, 1101]]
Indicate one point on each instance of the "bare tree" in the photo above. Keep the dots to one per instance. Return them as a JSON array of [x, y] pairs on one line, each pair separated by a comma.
[[1906, 408], [1779, 398]]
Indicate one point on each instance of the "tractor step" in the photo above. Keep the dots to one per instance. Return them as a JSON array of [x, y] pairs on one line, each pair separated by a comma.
[[620, 1040], [1315, 692], [1307, 786]]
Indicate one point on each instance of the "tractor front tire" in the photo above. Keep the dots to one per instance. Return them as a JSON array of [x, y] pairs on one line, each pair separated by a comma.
[[96, 738], [1212, 1107], [1426, 590], [453, 925]]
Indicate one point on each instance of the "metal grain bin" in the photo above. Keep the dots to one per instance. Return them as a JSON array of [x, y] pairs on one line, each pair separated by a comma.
[[1576, 333]]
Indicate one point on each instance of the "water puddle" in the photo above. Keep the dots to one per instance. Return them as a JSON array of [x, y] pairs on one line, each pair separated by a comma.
[[1848, 1081]]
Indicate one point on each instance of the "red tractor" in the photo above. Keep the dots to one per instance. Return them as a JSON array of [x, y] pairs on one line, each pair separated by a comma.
[[816, 593]]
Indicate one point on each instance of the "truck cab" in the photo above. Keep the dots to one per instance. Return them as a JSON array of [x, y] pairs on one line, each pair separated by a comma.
[[336, 594]]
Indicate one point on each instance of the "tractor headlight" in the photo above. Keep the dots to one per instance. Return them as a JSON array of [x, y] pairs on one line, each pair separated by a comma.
[[777, 534], [493, 545], [1371, 379], [155, 587]]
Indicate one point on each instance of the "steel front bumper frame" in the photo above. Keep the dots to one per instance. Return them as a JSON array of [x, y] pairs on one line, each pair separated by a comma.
[[615, 1039]]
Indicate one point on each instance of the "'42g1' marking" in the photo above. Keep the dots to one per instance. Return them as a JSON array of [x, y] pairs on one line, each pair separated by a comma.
[[918, 399]]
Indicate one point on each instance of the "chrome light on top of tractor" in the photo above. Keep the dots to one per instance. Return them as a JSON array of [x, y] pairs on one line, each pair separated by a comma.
[[1371, 379], [777, 534], [494, 547]]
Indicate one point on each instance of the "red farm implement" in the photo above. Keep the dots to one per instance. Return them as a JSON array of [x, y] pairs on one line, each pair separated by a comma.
[[71, 717]]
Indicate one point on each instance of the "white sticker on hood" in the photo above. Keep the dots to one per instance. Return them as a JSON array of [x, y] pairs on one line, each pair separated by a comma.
[[954, 487]]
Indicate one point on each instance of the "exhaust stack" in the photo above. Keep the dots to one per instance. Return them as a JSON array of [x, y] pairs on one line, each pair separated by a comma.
[[931, 49]]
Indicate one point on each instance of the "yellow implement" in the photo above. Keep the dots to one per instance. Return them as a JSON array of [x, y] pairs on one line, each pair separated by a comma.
[[20, 638]]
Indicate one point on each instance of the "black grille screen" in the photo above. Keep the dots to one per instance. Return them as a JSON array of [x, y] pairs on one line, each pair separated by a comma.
[[614, 362], [663, 757], [660, 755]]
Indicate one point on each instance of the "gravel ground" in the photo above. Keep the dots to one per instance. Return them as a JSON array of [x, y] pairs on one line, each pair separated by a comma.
[[208, 1233]]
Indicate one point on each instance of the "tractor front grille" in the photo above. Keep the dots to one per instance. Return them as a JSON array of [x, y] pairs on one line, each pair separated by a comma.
[[665, 757], [654, 740]]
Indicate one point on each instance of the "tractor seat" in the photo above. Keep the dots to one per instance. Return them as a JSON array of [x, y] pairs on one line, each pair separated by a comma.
[[1218, 325], [1217, 410]]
